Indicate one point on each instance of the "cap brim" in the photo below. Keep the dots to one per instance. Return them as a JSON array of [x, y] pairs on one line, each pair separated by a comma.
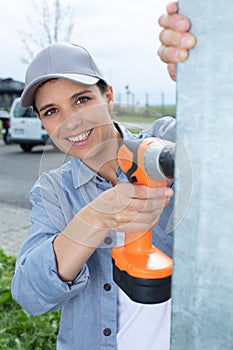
[[27, 97]]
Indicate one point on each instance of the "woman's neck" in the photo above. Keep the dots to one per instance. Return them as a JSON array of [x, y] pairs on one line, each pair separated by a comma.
[[105, 164]]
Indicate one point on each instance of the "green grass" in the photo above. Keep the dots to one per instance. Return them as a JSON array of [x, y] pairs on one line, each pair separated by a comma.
[[144, 115], [18, 329]]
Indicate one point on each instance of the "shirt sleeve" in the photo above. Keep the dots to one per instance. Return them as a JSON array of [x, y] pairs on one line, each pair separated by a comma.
[[36, 285], [163, 128]]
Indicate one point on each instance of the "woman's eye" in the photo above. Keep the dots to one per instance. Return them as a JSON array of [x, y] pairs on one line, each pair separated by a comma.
[[82, 100], [50, 112]]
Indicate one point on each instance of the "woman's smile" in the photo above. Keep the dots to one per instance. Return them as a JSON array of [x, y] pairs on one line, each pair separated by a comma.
[[80, 139]]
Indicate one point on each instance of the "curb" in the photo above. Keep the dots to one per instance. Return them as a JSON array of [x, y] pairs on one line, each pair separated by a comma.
[[14, 225]]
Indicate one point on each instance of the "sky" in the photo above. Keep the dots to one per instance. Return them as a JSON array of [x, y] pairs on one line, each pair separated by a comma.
[[121, 35]]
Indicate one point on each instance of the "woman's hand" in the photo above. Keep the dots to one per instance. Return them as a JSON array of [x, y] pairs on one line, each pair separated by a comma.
[[175, 38], [129, 208]]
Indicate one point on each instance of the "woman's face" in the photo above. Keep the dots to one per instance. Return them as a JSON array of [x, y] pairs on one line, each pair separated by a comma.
[[76, 116]]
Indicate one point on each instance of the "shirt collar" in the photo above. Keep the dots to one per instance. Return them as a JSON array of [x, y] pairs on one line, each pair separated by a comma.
[[81, 173]]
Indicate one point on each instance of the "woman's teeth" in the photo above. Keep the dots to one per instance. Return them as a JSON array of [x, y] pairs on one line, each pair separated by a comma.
[[81, 137]]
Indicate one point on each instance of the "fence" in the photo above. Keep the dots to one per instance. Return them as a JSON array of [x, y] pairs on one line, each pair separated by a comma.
[[148, 104], [145, 99]]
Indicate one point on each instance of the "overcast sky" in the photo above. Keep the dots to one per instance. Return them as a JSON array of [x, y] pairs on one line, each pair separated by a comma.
[[122, 35]]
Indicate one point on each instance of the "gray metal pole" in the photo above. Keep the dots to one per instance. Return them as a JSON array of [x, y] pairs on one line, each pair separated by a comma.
[[202, 290]]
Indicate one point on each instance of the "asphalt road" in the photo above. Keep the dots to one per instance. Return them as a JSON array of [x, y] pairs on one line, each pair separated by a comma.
[[20, 170]]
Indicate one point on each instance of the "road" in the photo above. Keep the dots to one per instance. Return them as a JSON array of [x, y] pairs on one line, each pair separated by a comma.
[[20, 170]]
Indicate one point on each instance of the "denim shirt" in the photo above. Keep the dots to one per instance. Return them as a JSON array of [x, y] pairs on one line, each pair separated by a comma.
[[89, 303]]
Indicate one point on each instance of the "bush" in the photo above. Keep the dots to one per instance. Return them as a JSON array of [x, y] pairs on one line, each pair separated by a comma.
[[18, 329]]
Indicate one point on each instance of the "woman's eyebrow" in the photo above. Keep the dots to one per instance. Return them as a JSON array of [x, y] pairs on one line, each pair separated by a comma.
[[80, 93]]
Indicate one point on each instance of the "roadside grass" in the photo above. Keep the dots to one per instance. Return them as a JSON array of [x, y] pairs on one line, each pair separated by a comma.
[[144, 115], [18, 329]]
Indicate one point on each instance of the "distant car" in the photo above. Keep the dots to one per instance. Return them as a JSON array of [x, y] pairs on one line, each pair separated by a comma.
[[4, 114], [25, 128], [5, 119]]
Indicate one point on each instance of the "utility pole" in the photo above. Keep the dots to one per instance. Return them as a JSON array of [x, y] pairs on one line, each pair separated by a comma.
[[202, 288], [127, 95]]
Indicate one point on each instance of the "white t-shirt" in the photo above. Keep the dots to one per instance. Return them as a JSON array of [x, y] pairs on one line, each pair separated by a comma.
[[143, 326]]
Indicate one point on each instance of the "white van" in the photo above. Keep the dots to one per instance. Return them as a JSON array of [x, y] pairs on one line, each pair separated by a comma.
[[25, 128]]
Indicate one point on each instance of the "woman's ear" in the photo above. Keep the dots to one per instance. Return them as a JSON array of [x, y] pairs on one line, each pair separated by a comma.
[[109, 98]]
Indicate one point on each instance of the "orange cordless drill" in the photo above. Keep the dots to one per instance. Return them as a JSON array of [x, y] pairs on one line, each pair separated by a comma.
[[140, 269]]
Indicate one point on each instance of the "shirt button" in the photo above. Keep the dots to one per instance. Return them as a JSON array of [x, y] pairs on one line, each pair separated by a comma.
[[107, 332], [107, 286], [108, 240]]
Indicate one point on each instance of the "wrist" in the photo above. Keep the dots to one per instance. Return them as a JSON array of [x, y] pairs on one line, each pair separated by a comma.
[[85, 228]]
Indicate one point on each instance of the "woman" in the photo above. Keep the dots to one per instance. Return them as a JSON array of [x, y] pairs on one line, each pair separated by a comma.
[[81, 209]]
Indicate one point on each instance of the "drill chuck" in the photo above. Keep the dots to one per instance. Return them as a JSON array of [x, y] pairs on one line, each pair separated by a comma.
[[166, 162], [158, 161]]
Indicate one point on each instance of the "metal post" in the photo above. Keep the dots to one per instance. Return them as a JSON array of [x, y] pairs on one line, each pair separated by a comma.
[[202, 290], [162, 104]]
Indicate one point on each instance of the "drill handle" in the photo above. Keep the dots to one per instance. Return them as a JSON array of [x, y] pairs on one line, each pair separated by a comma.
[[138, 242]]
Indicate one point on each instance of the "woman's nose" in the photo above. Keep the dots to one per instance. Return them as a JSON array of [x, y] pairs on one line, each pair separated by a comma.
[[71, 118]]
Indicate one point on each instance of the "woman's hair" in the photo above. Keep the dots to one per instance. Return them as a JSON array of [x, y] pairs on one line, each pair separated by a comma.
[[102, 85], [34, 108]]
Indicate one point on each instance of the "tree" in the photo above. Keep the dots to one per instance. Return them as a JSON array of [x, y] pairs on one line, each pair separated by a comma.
[[52, 21]]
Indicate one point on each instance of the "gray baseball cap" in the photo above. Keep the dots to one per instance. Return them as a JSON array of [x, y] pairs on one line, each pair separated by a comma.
[[60, 60]]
